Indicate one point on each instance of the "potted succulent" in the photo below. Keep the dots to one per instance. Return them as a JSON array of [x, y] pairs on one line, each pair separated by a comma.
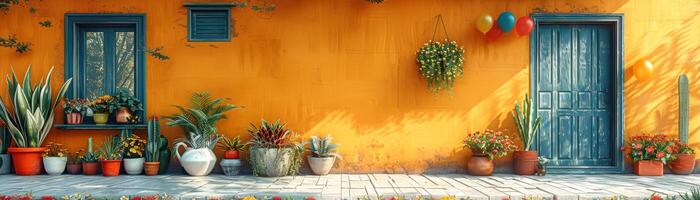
[[111, 156], [75, 109], [133, 147], [485, 147], [30, 119], [55, 159], [74, 163], [100, 108], [683, 158], [322, 155], [5, 138], [152, 164], [270, 149], [127, 107], [230, 164], [649, 154], [199, 123], [164, 156], [528, 123], [89, 160]]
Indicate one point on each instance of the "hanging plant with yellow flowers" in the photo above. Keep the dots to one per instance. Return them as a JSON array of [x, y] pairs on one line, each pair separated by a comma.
[[440, 63]]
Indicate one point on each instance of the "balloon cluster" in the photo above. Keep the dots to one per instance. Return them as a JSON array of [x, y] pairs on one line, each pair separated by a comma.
[[504, 24]]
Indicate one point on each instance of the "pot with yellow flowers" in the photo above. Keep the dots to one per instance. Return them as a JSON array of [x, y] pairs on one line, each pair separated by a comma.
[[134, 147], [55, 159]]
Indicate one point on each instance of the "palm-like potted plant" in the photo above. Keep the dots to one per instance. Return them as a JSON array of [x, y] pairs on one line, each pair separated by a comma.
[[323, 154], [55, 159], [134, 148], [89, 160], [528, 123], [30, 120], [111, 156], [199, 123], [271, 150], [152, 163]]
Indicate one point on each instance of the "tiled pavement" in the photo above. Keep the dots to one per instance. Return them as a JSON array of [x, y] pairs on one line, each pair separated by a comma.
[[353, 186]]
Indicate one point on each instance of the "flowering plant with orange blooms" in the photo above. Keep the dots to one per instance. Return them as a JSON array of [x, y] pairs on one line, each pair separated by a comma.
[[490, 143], [101, 104], [646, 147], [681, 148], [55, 150]]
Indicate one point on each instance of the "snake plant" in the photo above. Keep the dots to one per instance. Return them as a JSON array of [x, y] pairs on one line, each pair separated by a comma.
[[31, 117], [527, 121]]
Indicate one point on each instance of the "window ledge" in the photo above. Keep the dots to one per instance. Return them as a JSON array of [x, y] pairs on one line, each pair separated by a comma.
[[100, 127]]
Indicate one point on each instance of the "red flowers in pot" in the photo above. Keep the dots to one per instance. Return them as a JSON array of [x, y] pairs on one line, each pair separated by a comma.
[[683, 160], [649, 154], [485, 147]]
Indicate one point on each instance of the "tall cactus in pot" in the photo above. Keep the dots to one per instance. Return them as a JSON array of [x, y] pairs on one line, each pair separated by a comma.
[[152, 163], [684, 162]]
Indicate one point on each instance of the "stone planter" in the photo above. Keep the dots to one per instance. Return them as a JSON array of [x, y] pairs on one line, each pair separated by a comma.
[[270, 162], [6, 166], [55, 165], [321, 166], [197, 162], [231, 167], [133, 166]]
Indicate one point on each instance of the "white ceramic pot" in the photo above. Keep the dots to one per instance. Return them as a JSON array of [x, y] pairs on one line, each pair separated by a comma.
[[6, 164], [321, 166], [133, 166], [55, 165], [270, 162], [197, 162]]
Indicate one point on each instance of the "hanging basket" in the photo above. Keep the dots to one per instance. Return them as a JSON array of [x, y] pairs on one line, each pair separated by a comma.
[[440, 63]]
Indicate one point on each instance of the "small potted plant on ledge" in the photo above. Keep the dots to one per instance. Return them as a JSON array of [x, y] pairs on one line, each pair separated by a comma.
[[231, 165], [75, 109], [74, 163], [485, 147], [152, 163], [528, 123], [100, 109], [89, 160], [111, 156], [127, 107], [30, 119], [270, 149], [134, 147], [683, 162], [55, 159], [649, 154], [322, 155]]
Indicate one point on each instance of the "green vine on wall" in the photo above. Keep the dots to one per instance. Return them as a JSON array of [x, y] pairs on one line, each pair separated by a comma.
[[11, 42], [46, 23], [155, 53]]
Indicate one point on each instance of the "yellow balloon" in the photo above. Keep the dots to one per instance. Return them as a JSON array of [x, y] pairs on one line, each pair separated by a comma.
[[643, 70], [484, 23]]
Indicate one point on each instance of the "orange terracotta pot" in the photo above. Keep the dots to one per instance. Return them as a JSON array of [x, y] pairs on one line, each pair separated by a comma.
[[90, 168], [27, 161], [480, 166], [649, 168], [151, 168], [525, 162], [111, 167], [684, 164], [123, 115], [231, 154]]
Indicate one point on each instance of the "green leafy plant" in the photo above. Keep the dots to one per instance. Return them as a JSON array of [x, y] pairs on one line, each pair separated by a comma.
[[124, 98], [89, 156], [46, 23], [322, 147], [31, 117], [270, 135], [112, 149], [11, 42], [440, 64], [199, 120], [527, 121], [490, 143], [157, 54], [153, 140], [77, 105], [646, 147], [232, 143]]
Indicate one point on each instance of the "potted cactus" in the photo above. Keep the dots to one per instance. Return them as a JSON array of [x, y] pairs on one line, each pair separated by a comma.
[[30, 119], [270, 149], [528, 123], [89, 160], [323, 154], [134, 148], [152, 163], [230, 164], [111, 156], [684, 157]]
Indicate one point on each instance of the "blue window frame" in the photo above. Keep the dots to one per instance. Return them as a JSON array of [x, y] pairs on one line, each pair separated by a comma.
[[105, 53], [209, 22]]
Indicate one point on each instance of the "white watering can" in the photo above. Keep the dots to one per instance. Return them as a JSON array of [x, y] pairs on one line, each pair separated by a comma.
[[197, 162]]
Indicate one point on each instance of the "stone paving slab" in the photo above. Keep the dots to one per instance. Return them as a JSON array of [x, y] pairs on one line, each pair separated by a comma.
[[354, 186]]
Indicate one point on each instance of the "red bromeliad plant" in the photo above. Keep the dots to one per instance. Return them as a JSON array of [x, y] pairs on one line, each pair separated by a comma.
[[646, 147], [490, 143], [270, 135]]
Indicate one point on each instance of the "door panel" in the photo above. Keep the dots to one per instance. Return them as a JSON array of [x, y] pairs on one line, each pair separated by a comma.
[[573, 94]]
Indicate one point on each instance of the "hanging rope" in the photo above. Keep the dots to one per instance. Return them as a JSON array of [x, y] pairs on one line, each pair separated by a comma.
[[437, 22]]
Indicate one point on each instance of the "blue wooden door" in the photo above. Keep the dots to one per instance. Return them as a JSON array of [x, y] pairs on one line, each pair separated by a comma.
[[575, 93]]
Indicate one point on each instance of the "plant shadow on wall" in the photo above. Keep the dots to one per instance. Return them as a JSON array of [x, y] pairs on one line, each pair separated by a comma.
[[672, 56]]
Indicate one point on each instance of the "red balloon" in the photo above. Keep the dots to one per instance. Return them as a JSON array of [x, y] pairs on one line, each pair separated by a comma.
[[494, 33], [524, 25]]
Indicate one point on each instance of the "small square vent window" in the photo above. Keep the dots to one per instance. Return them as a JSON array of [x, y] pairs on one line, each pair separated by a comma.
[[209, 23]]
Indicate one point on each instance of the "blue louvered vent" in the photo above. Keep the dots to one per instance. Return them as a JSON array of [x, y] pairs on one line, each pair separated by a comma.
[[209, 24]]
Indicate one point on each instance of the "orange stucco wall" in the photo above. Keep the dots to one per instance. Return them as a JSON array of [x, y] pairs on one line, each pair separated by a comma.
[[348, 68]]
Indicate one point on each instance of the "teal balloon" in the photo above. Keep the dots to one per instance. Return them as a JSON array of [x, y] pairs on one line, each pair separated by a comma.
[[506, 21]]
